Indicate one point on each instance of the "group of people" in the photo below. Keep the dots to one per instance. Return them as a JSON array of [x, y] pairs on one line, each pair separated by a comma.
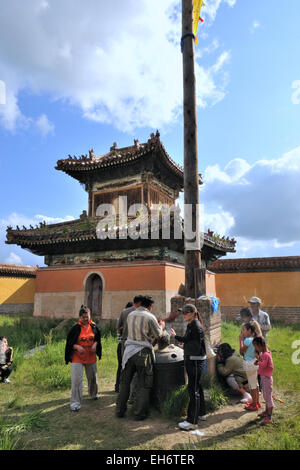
[[253, 371], [139, 330]]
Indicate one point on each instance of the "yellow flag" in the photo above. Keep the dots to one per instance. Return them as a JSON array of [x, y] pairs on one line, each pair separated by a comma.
[[197, 5]]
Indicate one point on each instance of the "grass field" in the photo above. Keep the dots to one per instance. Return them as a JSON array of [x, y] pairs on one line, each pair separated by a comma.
[[35, 405]]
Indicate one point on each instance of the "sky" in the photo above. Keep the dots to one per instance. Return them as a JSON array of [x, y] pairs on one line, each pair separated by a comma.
[[83, 74]]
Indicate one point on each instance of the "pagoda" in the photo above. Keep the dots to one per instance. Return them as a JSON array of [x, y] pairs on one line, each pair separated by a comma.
[[105, 272]]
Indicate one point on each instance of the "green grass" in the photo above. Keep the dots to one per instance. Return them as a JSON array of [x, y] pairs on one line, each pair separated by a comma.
[[34, 407]]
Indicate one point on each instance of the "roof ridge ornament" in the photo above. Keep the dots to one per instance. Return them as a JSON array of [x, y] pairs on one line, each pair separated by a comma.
[[113, 148]]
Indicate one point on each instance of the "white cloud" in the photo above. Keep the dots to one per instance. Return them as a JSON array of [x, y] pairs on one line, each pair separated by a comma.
[[262, 199], [53, 220], [119, 62], [255, 25], [13, 259], [220, 222], [44, 126], [14, 219]]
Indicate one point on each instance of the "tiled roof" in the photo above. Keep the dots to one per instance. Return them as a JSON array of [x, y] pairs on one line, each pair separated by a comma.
[[84, 229], [16, 270], [120, 156], [282, 263]]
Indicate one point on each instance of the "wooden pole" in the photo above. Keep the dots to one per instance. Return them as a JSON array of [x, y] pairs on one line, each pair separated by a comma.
[[194, 284]]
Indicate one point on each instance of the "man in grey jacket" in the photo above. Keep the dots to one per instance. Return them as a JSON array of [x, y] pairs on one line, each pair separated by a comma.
[[139, 358], [258, 315]]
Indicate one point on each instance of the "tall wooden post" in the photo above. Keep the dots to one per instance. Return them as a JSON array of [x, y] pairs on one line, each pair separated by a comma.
[[194, 279]]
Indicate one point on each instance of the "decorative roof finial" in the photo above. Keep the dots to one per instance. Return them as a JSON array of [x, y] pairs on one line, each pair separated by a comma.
[[114, 146], [91, 153]]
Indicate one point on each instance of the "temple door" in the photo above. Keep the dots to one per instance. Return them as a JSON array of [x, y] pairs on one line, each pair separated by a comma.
[[94, 295]]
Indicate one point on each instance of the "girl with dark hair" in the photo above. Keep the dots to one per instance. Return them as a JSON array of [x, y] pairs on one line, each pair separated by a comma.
[[247, 349], [265, 369], [194, 361], [82, 346]]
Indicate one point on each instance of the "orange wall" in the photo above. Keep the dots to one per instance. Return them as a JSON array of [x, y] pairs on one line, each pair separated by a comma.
[[274, 288], [174, 277], [117, 278]]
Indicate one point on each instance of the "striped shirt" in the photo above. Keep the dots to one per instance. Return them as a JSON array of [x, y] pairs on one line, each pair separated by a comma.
[[142, 325]]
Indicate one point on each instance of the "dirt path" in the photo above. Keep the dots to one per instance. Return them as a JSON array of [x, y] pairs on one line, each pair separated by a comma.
[[157, 433]]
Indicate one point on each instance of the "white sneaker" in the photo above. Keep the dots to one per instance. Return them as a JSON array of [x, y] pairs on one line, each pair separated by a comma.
[[7, 381], [187, 426], [247, 399], [203, 418]]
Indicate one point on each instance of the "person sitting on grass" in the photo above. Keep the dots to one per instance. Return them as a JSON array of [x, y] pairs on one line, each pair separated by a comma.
[[6, 360], [265, 369], [82, 346], [230, 366], [247, 349]]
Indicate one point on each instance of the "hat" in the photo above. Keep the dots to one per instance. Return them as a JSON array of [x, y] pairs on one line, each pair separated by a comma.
[[188, 308], [254, 300]]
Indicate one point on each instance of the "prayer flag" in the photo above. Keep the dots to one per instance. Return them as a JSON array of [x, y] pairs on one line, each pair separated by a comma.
[[197, 5]]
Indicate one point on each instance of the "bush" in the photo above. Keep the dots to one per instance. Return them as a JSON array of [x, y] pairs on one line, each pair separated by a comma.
[[176, 403]]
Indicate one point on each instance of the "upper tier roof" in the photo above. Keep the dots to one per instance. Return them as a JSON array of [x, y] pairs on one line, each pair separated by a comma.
[[80, 167]]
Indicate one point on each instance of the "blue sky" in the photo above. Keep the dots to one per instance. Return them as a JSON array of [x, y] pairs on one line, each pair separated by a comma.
[[85, 74]]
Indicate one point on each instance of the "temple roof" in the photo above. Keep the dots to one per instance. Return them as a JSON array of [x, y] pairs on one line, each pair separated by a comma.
[[272, 264], [13, 270], [81, 234], [80, 167]]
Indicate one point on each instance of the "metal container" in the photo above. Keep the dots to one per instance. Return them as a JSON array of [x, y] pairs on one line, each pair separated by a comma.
[[169, 373]]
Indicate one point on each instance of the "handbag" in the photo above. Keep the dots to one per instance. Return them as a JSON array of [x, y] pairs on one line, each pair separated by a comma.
[[209, 350]]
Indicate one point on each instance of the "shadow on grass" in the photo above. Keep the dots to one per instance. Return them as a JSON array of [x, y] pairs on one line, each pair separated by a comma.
[[213, 441], [95, 426]]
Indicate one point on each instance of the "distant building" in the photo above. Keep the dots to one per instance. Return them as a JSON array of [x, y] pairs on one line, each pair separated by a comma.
[[17, 288]]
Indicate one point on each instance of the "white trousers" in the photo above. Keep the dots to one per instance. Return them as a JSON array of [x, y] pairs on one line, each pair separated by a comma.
[[77, 379]]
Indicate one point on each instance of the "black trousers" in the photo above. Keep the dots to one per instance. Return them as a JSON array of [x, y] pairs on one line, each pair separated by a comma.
[[196, 408], [5, 373], [119, 355]]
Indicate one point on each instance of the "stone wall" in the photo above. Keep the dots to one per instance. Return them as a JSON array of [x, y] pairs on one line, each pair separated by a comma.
[[285, 314], [212, 321]]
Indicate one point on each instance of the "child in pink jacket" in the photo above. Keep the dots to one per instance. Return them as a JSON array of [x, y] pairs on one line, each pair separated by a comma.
[[265, 370]]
